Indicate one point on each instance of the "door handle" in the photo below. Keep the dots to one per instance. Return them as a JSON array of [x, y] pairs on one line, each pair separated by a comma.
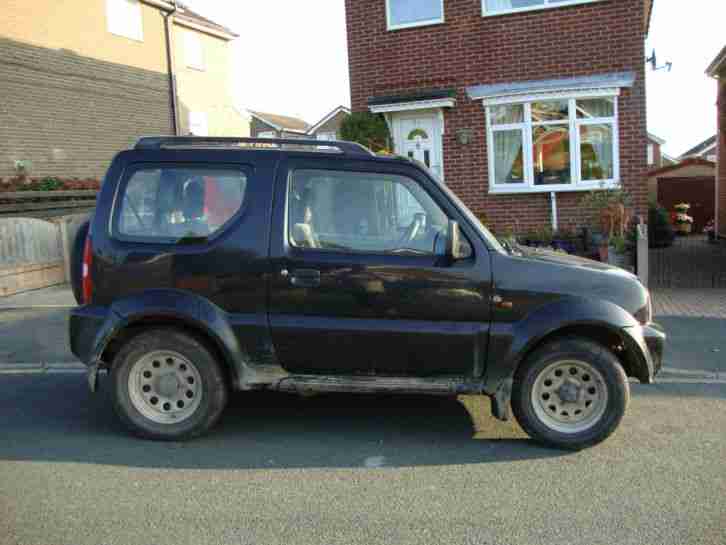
[[305, 278]]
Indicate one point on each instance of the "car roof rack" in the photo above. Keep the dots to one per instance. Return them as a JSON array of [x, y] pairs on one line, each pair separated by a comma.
[[161, 142]]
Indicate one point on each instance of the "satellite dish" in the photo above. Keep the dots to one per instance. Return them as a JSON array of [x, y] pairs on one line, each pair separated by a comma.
[[653, 61]]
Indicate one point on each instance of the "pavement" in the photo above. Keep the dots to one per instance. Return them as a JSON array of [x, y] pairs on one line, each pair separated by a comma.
[[363, 469]]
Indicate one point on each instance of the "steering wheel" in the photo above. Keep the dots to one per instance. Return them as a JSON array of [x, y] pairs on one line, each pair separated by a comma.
[[413, 230]]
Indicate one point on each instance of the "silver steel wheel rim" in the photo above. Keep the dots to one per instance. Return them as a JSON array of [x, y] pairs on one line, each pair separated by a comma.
[[165, 387], [569, 396]]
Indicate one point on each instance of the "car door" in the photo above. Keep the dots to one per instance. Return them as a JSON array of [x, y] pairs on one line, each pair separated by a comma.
[[360, 283]]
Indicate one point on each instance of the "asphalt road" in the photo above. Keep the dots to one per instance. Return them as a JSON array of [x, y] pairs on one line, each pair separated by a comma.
[[368, 470]]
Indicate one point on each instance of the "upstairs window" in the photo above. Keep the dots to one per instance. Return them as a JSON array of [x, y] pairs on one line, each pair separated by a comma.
[[124, 18], [193, 51], [498, 7], [411, 13]]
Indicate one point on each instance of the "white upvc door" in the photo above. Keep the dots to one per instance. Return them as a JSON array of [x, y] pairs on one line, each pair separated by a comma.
[[418, 136]]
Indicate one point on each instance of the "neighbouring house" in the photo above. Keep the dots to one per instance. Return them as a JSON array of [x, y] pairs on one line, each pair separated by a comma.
[[520, 107], [717, 70], [656, 156], [691, 180], [328, 128], [705, 150], [82, 79], [202, 67], [265, 125]]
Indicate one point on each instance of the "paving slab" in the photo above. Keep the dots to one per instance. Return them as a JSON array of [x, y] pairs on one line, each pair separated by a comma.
[[54, 296]]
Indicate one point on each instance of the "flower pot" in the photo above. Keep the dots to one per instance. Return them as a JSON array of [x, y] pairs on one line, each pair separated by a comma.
[[684, 228], [616, 259], [603, 252]]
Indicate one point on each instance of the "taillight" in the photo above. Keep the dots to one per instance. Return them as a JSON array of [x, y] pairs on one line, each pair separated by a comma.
[[86, 280]]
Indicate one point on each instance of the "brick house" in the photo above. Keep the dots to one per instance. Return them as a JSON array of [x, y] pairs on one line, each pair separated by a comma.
[[717, 70], [520, 106], [281, 126], [82, 79]]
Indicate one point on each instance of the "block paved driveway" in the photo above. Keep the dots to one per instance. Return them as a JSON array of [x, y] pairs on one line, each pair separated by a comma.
[[350, 469]]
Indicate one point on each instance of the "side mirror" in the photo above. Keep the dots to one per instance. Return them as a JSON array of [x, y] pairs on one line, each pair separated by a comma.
[[457, 247]]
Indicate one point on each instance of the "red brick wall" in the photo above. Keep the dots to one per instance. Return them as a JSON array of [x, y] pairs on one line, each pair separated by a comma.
[[721, 139], [468, 49]]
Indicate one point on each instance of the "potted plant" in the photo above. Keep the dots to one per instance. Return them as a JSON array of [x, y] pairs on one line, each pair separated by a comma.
[[710, 230], [565, 241], [609, 213], [660, 230], [681, 219], [618, 251]]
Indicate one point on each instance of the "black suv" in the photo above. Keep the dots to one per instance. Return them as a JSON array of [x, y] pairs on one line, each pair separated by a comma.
[[221, 264]]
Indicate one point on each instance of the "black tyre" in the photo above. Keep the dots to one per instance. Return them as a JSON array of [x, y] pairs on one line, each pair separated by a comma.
[[571, 393], [167, 385]]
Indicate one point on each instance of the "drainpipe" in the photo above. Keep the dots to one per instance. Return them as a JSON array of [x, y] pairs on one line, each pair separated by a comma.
[[553, 205], [168, 22]]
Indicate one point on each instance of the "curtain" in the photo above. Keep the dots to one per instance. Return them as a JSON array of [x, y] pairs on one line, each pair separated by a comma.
[[507, 147], [599, 139]]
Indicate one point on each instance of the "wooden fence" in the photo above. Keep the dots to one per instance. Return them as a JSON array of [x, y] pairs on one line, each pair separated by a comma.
[[46, 204]]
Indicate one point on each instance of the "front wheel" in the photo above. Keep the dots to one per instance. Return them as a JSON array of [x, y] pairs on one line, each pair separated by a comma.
[[167, 385], [571, 393]]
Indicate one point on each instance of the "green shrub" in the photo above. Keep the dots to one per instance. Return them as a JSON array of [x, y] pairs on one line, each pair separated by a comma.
[[660, 230], [368, 129]]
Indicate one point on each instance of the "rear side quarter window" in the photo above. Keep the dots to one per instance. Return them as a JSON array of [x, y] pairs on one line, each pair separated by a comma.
[[177, 204]]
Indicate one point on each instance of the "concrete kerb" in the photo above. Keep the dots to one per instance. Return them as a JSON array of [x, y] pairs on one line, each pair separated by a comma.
[[41, 368]]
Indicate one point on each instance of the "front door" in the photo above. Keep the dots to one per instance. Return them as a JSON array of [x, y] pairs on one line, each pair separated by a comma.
[[360, 283], [418, 136]]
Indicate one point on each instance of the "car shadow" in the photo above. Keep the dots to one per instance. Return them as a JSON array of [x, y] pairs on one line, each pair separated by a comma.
[[54, 418]]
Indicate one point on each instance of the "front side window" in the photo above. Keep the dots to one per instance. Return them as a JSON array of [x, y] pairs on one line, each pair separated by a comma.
[[364, 212], [125, 18], [547, 145], [173, 204], [409, 13], [497, 7]]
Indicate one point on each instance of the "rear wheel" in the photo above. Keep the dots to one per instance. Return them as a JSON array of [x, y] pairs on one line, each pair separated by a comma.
[[571, 393], [167, 385]]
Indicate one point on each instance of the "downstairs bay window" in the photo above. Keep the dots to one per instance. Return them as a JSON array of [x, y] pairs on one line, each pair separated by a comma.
[[553, 144]]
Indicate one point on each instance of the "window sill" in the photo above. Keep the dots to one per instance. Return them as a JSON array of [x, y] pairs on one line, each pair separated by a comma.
[[415, 25], [568, 188], [132, 38], [484, 12], [196, 68]]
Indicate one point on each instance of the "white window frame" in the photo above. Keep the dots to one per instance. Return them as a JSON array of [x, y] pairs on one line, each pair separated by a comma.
[[548, 4], [427, 22], [132, 26], [577, 184], [325, 135], [651, 154], [199, 118], [194, 51]]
